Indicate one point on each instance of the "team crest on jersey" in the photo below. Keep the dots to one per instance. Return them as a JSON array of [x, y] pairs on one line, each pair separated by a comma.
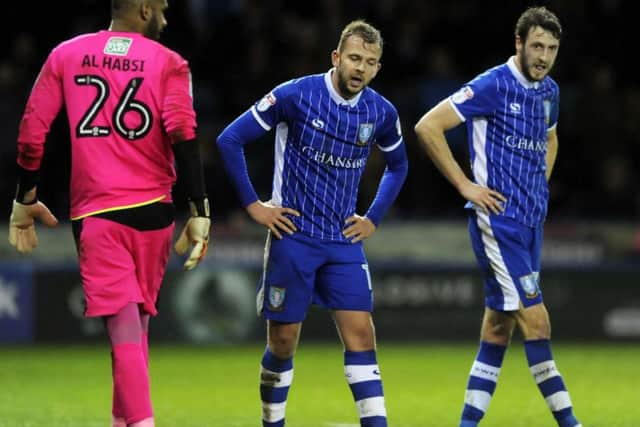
[[118, 46], [276, 298], [530, 285], [463, 95], [547, 110], [267, 102], [364, 133]]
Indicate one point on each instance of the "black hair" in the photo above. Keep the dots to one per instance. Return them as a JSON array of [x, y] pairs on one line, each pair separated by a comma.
[[538, 16]]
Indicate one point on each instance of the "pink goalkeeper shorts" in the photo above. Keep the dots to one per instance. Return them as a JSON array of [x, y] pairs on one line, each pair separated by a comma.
[[119, 265]]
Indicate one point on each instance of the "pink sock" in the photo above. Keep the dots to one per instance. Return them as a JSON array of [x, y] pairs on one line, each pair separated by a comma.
[[117, 410], [117, 422], [131, 382], [148, 422]]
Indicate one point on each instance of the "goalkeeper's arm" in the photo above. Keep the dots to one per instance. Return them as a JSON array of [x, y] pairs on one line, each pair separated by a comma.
[[196, 230], [26, 207]]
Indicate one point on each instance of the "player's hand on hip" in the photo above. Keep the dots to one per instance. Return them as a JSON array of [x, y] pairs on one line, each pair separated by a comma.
[[273, 217], [358, 228], [485, 198], [22, 229], [195, 234]]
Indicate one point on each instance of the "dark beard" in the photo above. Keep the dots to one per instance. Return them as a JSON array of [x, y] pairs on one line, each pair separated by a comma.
[[525, 69], [153, 29], [343, 88]]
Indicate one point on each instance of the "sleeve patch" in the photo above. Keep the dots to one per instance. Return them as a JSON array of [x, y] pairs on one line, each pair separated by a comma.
[[463, 95], [267, 102]]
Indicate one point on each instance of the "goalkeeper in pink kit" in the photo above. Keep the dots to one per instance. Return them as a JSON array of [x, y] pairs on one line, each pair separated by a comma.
[[129, 106]]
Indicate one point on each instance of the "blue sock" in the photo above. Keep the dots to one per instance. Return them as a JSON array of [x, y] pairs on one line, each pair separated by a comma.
[[549, 381], [482, 383], [363, 375], [275, 379]]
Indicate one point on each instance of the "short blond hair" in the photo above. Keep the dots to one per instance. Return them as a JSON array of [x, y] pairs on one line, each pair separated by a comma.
[[362, 29]]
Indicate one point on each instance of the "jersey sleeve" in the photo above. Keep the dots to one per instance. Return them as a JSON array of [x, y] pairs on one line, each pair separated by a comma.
[[43, 105], [553, 109], [272, 108], [477, 98], [178, 115], [391, 134]]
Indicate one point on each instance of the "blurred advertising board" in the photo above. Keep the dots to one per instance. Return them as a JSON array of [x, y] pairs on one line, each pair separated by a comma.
[[424, 275], [16, 303], [217, 305], [201, 306]]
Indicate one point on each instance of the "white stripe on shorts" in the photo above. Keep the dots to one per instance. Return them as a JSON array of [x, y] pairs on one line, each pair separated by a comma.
[[492, 250]]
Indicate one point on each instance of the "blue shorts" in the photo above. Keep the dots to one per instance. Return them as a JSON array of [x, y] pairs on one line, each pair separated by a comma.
[[509, 255], [300, 271]]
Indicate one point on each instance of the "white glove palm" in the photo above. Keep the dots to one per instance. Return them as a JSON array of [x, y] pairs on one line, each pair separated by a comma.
[[196, 233], [22, 230]]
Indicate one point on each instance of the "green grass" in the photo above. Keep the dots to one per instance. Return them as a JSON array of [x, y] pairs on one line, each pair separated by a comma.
[[214, 386]]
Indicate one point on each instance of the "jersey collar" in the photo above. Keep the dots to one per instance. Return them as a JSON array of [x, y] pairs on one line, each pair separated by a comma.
[[335, 95], [511, 63]]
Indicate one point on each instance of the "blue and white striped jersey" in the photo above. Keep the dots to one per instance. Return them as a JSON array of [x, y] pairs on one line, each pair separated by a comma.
[[508, 118], [322, 145]]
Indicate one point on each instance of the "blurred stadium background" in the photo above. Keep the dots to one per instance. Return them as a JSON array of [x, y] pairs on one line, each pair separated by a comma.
[[428, 291]]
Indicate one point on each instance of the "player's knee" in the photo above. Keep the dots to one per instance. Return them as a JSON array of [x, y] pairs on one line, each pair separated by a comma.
[[502, 330], [283, 338], [282, 349], [498, 332], [359, 338], [499, 337], [541, 330], [537, 328], [283, 346]]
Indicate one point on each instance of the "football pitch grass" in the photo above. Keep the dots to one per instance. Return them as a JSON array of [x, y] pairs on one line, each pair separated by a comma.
[[69, 386]]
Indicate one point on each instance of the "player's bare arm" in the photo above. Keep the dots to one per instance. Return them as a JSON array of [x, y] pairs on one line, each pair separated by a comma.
[[358, 228], [273, 217], [552, 151], [430, 131]]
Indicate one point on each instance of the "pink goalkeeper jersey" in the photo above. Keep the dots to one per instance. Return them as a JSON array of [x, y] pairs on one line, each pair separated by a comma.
[[128, 98]]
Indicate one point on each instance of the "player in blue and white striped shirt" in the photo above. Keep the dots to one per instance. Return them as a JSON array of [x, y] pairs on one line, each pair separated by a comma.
[[326, 125], [511, 112]]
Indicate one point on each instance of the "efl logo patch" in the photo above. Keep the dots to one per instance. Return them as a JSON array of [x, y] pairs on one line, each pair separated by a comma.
[[118, 46], [463, 95], [530, 285], [267, 102], [364, 133], [276, 298]]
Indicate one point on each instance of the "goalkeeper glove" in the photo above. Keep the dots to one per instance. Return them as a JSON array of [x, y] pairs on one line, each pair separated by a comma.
[[22, 230], [196, 233]]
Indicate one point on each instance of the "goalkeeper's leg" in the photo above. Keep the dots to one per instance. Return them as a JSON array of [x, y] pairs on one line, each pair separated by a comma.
[[132, 400]]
